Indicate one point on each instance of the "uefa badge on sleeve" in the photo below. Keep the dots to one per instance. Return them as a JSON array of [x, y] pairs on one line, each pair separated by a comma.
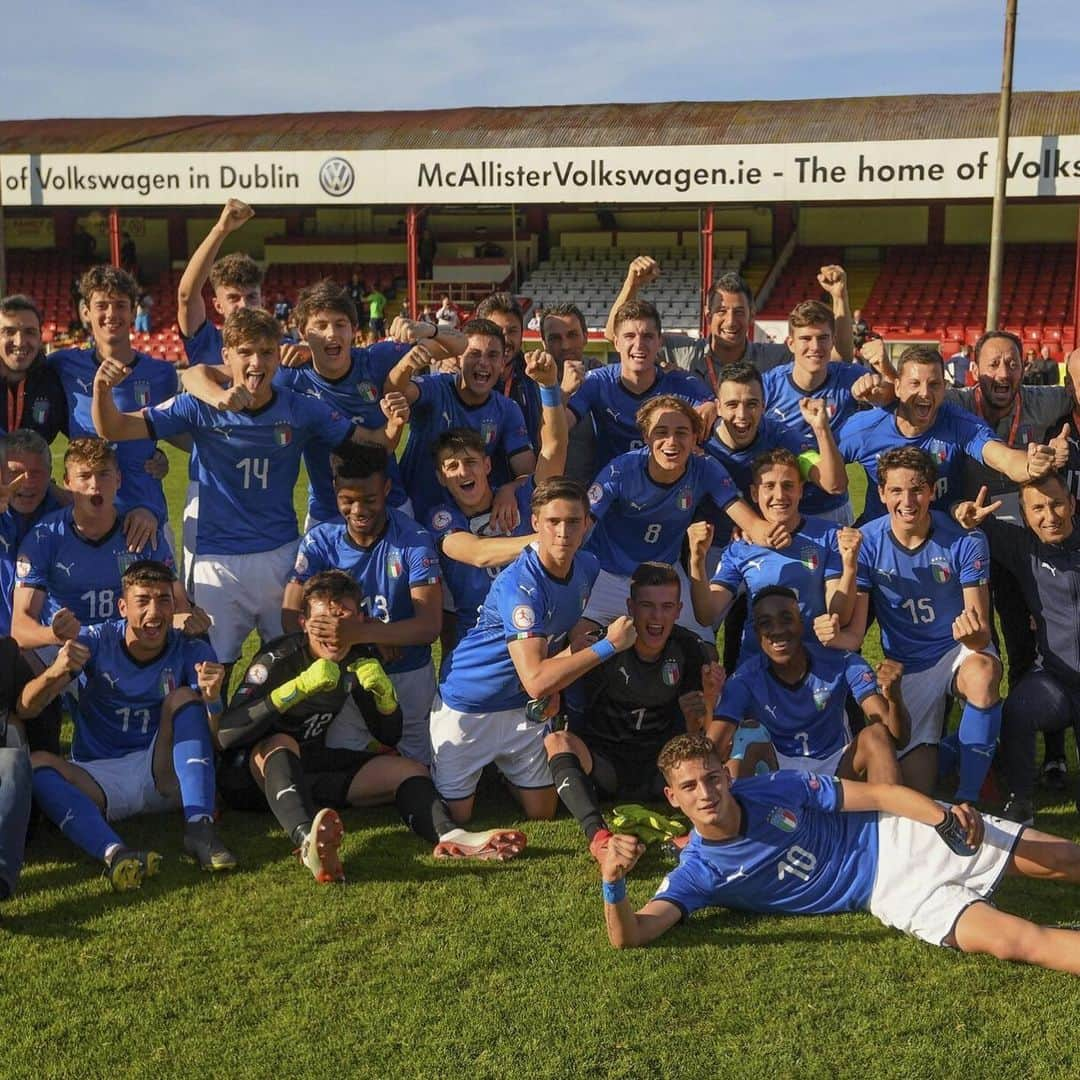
[[440, 519], [523, 617]]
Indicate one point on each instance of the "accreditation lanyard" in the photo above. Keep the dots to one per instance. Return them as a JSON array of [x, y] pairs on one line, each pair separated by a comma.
[[15, 405]]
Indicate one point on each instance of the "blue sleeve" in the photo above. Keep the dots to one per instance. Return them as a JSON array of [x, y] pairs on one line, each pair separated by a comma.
[[322, 424], [861, 680], [34, 559], [204, 346], [522, 611], [727, 572], [423, 560], [604, 490], [161, 552], [514, 436], [196, 651], [428, 392], [973, 557], [177, 416], [971, 433], [696, 390], [688, 887], [798, 789], [834, 565], [311, 558], [768, 383], [737, 700], [863, 581], [90, 636], [524, 494], [444, 520], [382, 358], [583, 402], [717, 483]]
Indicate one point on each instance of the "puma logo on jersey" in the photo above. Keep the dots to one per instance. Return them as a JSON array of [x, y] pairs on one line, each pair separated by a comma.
[[625, 674], [1047, 566], [285, 791], [198, 761], [7, 545], [779, 412], [86, 385], [67, 817], [563, 786], [67, 569], [740, 873], [110, 678], [771, 710], [755, 564]]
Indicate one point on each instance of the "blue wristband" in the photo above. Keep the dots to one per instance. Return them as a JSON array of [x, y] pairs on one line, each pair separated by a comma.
[[604, 649], [614, 891], [551, 396]]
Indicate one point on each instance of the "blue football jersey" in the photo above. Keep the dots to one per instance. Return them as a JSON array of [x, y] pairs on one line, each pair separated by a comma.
[[807, 719], [738, 463], [811, 559], [119, 706], [14, 528], [917, 594], [782, 406], [639, 520], [402, 558], [796, 853], [150, 383], [614, 408], [355, 395], [524, 601], [79, 574], [439, 408], [248, 465], [205, 345], [469, 585], [954, 434]]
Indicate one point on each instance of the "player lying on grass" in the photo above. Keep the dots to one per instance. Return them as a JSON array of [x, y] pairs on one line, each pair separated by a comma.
[[314, 726], [795, 692], [664, 684], [142, 741], [803, 844]]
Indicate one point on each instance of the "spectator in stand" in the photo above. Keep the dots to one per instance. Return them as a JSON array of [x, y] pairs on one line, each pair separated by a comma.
[[282, 312], [536, 319], [376, 304], [357, 290], [428, 316], [447, 315], [860, 329], [142, 313], [1041, 369], [957, 367]]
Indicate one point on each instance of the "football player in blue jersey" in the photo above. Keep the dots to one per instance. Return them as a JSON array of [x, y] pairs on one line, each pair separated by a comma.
[[313, 725], [612, 396], [644, 501], [818, 563], [249, 460], [395, 562], [108, 304], [923, 420], [518, 651], [473, 549], [812, 375], [804, 844], [929, 582], [142, 740], [796, 691], [69, 567], [468, 399]]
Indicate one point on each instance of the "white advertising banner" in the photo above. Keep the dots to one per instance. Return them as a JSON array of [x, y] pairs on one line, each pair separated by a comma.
[[1047, 166]]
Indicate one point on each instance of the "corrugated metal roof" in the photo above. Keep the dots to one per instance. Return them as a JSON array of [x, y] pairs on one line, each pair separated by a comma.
[[921, 116]]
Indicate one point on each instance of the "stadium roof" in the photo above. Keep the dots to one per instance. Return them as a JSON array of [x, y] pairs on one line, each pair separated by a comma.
[[916, 116]]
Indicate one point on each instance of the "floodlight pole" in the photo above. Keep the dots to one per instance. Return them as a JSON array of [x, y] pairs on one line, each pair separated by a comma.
[[410, 260], [997, 221]]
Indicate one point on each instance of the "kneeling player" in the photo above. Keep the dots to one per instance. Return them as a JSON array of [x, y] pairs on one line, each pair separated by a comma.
[[633, 703], [804, 844], [142, 741], [796, 691], [286, 731]]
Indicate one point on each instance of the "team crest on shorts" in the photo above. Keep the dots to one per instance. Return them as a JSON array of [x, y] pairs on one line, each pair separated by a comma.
[[685, 499], [40, 411], [783, 819], [941, 571], [488, 431], [670, 672], [282, 434], [367, 392], [168, 682], [809, 558], [821, 697], [393, 564], [440, 519], [141, 392], [523, 617]]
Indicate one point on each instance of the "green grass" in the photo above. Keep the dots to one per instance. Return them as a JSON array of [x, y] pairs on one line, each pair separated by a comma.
[[423, 969]]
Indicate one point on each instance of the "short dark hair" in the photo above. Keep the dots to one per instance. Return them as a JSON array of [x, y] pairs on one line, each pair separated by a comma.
[[16, 302], [558, 487], [811, 313], [564, 311], [325, 295], [330, 585], [484, 328], [237, 269], [741, 372], [684, 748], [907, 457], [146, 572], [110, 280], [249, 324], [1051, 477], [458, 441], [920, 354], [638, 309], [647, 574], [1003, 335], [729, 282], [774, 590], [359, 461], [500, 303], [776, 456]]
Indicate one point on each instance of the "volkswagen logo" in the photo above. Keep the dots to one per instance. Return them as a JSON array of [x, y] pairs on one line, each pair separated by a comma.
[[336, 177]]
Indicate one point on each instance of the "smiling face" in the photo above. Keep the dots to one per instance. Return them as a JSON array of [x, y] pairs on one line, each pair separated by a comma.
[[252, 364], [20, 340], [701, 789], [464, 473], [811, 347], [740, 406], [362, 503], [511, 327], [907, 496], [1000, 372], [563, 338], [638, 343], [149, 610], [482, 364], [670, 440], [1048, 509], [777, 492], [110, 316], [34, 487], [654, 610], [779, 627], [921, 390], [729, 320], [330, 335], [230, 298]]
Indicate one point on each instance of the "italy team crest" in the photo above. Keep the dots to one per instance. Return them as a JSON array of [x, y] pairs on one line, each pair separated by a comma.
[[685, 499], [141, 393], [393, 564], [168, 682], [367, 392], [940, 569], [282, 434], [488, 431], [821, 697], [809, 558], [670, 672], [40, 411], [938, 451], [124, 559], [783, 819]]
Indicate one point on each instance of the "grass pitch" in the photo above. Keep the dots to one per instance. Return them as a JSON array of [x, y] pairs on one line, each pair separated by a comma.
[[425, 969]]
